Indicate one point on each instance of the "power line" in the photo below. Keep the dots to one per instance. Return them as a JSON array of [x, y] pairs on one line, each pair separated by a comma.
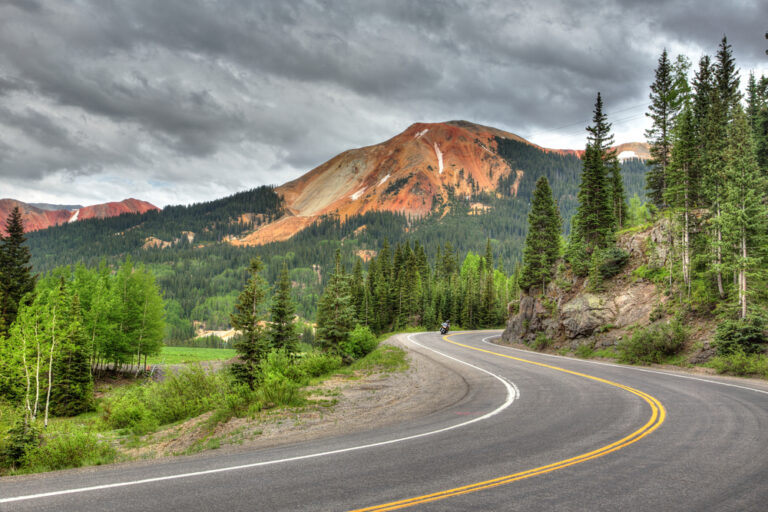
[[583, 123]]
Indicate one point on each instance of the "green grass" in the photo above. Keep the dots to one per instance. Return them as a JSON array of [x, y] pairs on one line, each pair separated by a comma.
[[184, 355]]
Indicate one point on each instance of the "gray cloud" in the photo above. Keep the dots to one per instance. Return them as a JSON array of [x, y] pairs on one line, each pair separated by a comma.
[[181, 99]]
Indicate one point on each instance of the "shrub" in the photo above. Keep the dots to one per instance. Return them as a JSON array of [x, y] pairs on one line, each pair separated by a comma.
[[739, 362], [584, 351], [612, 261], [652, 344], [541, 342], [70, 448], [182, 395], [316, 363], [277, 389], [746, 335], [360, 342], [20, 440]]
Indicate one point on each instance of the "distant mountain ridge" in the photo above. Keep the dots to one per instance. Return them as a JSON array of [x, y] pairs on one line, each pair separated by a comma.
[[409, 173], [42, 216]]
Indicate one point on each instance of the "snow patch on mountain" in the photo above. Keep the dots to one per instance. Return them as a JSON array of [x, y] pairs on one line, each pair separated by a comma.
[[421, 133], [439, 157], [73, 218], [357, 194], [383, 180], [626, 155]]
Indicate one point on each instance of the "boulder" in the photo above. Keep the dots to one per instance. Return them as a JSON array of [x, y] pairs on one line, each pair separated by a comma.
[[583, 314]]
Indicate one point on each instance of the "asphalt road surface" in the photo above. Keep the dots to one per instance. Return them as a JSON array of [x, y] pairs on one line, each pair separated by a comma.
[[534, 432]]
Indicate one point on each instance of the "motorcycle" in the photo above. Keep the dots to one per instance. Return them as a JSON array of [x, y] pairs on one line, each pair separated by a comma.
[[444, 328]]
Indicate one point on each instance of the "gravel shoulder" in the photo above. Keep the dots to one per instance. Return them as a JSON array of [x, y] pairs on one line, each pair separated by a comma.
[[340, 405]]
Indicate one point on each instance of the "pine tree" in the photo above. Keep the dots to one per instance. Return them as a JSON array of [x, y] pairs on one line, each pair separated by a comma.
[[253, 345], [282, 326], [680, 189], [618, 196], [542, 243], [72, 393], [745, 214], [16, 279], [335, 311], [593, 221], [659, 136], [703, 87]]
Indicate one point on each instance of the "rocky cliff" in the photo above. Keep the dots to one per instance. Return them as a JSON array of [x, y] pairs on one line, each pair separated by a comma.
[[568, 315]]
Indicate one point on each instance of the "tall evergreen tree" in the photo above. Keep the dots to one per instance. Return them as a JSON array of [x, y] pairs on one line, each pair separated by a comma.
[[16, 279], [542, 244], [618, 196], [680, 189], [253, 345], [282, 326], [745, 214], [335, 311], [72, 393], [593, 222], [659, 136]]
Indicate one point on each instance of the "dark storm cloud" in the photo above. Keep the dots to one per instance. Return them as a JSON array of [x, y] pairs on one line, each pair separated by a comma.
[[237, 93]]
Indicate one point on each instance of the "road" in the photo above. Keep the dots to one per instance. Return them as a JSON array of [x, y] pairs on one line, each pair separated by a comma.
[[534, 432]]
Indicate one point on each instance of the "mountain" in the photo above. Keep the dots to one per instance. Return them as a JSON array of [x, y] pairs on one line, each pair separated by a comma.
[[457, 182], [409, 173], [42, 216]]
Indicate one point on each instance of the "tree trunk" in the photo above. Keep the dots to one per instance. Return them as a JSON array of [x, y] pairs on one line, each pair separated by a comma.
[[50, 367], [686, 241], [719, 255], [743, 274]]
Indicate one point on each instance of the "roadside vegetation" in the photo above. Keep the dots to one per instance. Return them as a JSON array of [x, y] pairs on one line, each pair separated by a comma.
[[70, 333], [706, 187]]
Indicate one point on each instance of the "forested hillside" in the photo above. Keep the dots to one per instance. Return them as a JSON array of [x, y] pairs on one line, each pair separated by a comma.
[[199, 273]]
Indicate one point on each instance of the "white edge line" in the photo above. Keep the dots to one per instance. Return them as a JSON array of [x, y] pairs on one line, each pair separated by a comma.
[[677, 375], [512, 394]]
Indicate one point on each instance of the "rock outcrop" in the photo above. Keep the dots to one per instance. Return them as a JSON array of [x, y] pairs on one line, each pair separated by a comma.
[[569, 314]]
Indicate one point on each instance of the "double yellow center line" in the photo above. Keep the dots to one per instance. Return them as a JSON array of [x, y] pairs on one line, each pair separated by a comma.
[[658, 414]]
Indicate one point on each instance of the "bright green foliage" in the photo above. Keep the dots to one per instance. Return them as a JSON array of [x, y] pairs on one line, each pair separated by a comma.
[[360, 342], [746, 335], [336, 312], [542, 244], [653, 344], [16, 278], [248, 318], [282, 325]]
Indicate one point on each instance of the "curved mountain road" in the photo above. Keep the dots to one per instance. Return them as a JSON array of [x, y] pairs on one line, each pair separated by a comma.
[[534, 432]]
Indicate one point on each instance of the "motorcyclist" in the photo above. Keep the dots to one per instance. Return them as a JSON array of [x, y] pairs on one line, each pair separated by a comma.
[[445, 327]]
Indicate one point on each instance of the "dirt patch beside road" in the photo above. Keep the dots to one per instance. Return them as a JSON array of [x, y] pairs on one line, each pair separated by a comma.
[[340, 405]]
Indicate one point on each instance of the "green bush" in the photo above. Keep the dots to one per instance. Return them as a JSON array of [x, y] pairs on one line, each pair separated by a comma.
[[182, 395], [277, 389], [360, 342], [69, 448], [20, 440], [612, 261], [739, 362], [746, 335], [584, 351], [130, 413], [656, 275], [317, 363], [541, 342], [652, 344]]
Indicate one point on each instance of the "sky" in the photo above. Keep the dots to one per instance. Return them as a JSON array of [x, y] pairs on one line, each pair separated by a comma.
[[184, 101]]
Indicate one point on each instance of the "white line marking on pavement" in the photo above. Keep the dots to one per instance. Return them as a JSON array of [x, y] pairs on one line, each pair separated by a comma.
[[677, 375], [512, 394]]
